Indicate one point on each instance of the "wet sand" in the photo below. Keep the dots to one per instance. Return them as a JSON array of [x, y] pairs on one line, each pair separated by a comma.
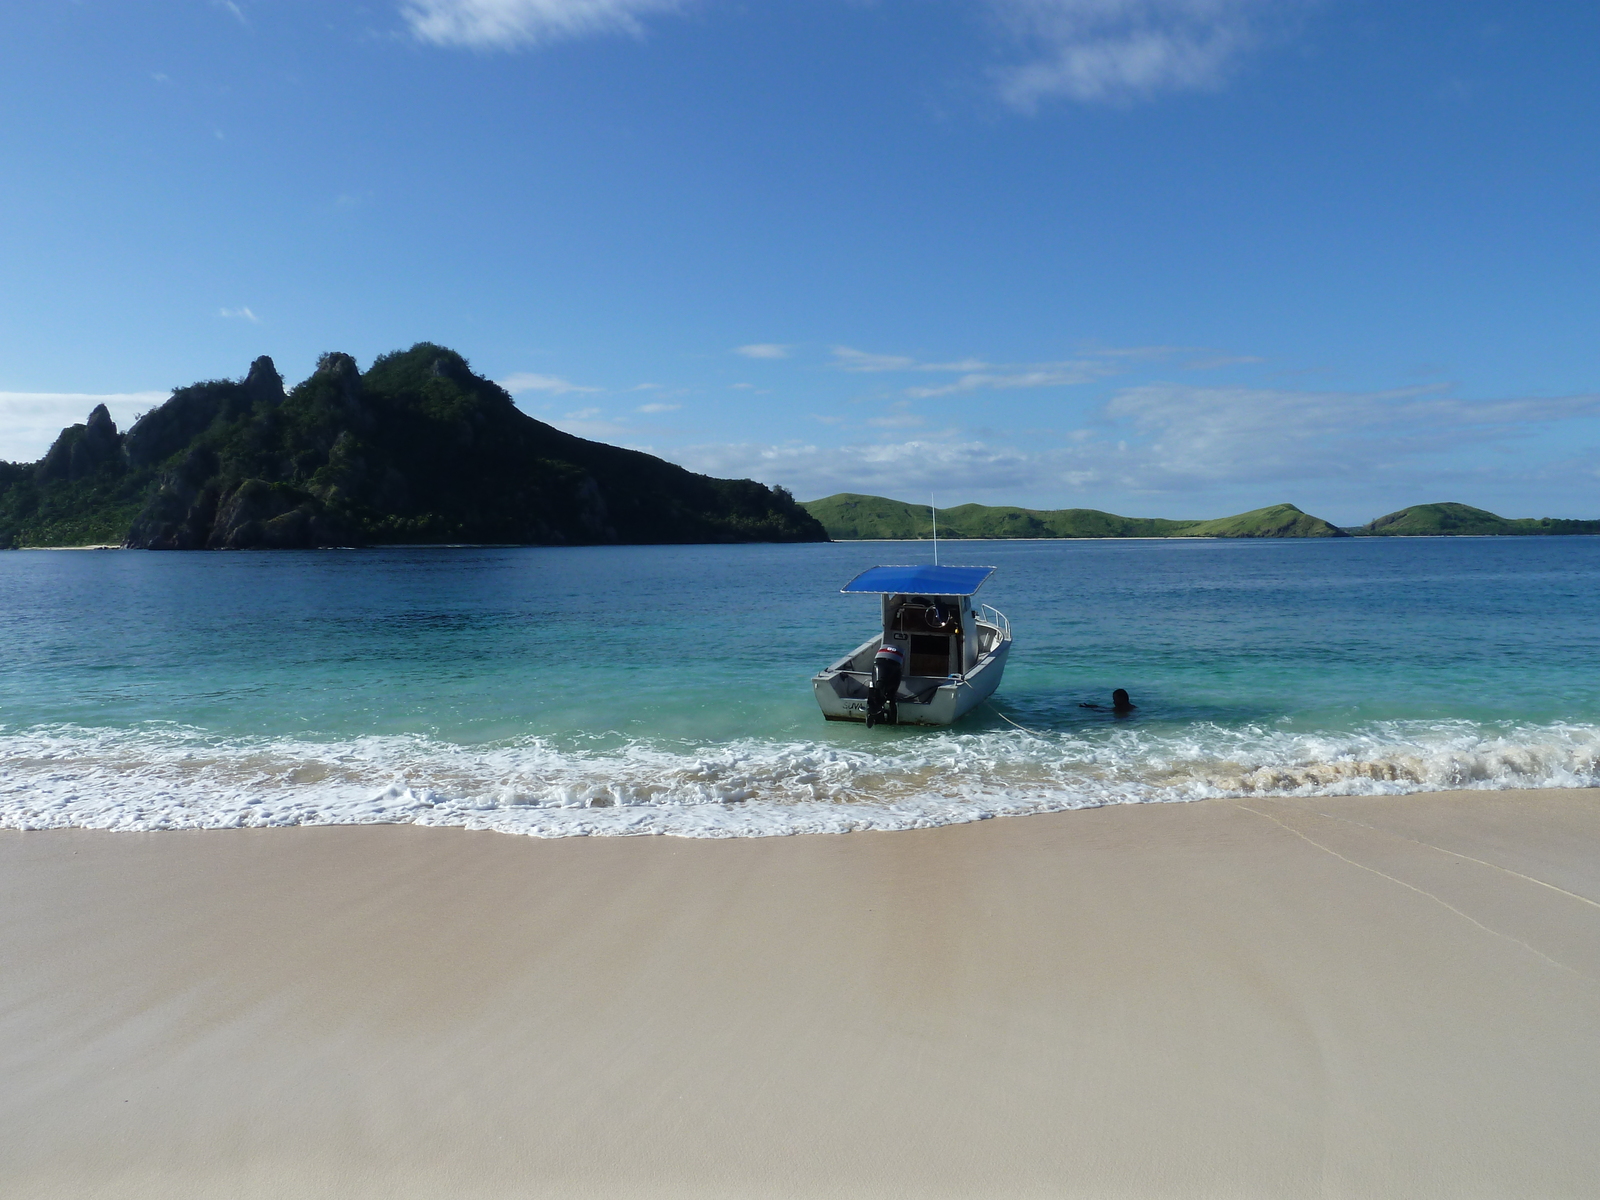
[[1378, 997]]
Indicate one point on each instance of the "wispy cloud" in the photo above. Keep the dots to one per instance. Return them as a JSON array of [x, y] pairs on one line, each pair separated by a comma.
[[658, 408], [885, 469], [1179, 441], [1059, 375], [977, 375], [763, 350], [851, 359], [241, 314], [1223, 360], [1188, 435], [512, 24], [550, 385], [1099, 51], [899, 416], [848, 358], [30, 421], [593, 423]]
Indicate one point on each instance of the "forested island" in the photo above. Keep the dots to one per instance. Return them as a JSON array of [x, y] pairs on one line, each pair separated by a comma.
[[417, 449], [848, 516]]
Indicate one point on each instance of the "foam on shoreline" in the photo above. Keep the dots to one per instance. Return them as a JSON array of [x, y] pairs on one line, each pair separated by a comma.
[[173, 777]]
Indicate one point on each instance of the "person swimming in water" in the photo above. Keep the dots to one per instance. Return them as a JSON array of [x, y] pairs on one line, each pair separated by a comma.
[[1120, 704]]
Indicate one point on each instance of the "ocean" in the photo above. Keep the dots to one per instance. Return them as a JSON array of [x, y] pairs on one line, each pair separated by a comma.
[[666, 689]]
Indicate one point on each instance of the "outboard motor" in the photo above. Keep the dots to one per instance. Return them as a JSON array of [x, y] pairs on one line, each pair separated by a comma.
[[888, 668]]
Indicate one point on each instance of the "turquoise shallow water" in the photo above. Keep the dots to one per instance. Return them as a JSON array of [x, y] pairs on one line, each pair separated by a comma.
[[666, 689]]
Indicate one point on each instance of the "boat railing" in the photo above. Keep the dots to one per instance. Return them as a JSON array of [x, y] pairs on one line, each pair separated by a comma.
[[990, 615]]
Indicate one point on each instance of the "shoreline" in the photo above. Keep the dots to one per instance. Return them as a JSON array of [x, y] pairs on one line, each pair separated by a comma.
[[841, 541], [106, 546], [1263, 997]]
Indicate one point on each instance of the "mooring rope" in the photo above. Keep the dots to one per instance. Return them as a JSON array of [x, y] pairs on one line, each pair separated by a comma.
[[1009, 721]]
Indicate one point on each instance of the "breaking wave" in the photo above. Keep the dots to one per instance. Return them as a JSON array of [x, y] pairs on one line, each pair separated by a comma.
[[173, 777]]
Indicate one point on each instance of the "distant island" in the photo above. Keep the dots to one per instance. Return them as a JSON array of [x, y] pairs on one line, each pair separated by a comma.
[[849, 516], [1462, 520], [417, 449]]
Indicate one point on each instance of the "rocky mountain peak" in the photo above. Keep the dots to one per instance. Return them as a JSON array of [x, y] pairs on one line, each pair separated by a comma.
[[263, 382], [81, 449]]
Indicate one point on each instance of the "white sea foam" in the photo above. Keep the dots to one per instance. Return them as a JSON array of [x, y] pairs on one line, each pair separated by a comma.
[[168, 777]]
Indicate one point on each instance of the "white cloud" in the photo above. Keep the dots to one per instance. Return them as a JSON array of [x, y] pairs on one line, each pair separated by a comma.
[[658, 408], [849, 359], [1223, 360], [888, 469], [243, 314], [900, 417], [977, 375], [1120, 50], [31, 421], [859, 360], [763, 350], [1149, 353], [1060, 375], [551, 385], [510, 24], [1254, 446], [592, 423], [1190, 435]]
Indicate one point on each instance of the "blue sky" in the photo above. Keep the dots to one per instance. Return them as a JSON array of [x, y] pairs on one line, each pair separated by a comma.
[[1162, 257]]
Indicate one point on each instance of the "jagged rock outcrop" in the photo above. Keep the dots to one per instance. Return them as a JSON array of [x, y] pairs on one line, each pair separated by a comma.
[[81, 450], [182, 508], [164, 431], [271, 516], [263, 384]]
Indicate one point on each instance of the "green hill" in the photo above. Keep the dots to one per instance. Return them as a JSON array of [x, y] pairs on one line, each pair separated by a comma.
[[1462, 520], [416, 449], [1278, 520], [849, 516]]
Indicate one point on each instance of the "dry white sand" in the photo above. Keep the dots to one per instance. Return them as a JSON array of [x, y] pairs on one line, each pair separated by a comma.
[[1348, 997]]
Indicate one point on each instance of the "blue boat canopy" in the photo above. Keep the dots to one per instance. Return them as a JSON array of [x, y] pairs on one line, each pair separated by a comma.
[[920, 581]]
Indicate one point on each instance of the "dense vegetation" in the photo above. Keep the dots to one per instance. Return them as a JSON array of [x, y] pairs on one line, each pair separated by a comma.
[[848, 516], [417, 449], [1462, 520]]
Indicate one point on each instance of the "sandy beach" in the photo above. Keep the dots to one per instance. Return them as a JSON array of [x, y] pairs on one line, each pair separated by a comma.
[[1393, 996]]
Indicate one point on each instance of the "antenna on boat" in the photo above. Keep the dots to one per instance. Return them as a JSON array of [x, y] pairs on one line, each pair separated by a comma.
[[935, 513]]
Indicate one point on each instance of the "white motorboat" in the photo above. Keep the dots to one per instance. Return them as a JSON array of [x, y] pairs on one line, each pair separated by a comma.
[[937, 658]]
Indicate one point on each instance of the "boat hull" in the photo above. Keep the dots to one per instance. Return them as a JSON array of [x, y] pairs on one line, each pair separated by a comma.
[[841, 690]]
